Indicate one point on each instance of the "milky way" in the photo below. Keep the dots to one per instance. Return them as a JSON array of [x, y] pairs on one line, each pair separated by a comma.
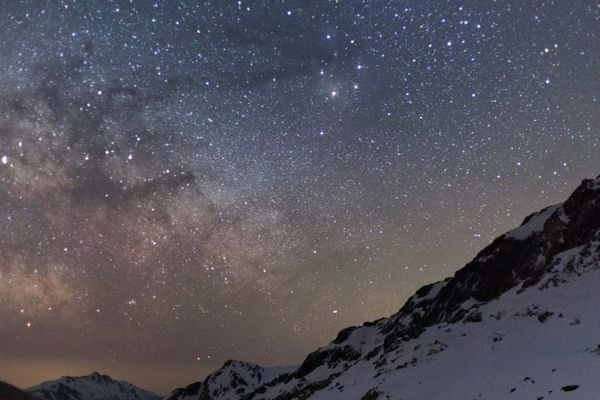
[[182, 183]]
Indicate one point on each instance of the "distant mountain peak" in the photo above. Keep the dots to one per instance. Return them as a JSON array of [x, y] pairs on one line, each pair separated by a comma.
[[233, 380], [95, 386]]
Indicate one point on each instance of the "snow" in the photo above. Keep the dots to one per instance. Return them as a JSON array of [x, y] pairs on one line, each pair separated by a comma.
[[225, 382], [534, 342], [433, 291], [91, 387], [513, 353], [595, 184], [534, 225]]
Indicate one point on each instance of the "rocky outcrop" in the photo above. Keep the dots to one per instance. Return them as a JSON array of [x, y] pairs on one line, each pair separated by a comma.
[[10, 392]]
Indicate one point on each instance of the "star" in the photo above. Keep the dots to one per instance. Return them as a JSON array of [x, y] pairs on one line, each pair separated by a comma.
[[167, 169]]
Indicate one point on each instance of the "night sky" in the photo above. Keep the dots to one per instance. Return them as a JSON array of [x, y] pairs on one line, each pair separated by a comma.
[[186, 182]]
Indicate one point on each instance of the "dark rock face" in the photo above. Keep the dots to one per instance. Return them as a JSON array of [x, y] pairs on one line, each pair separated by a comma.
[[507, 262], [188, 391], [10, 392], [374, 394], [332, 356], [569, 388]]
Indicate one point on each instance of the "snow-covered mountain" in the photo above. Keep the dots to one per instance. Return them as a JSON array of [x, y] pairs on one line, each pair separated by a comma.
[[232, 381], [520, 321], [90, 387]]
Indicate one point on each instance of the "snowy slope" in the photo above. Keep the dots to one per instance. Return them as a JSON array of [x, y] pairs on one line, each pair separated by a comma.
[[530, 344], [90, 387], [520, 321]]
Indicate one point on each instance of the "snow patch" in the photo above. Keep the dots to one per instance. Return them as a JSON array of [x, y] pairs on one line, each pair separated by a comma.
[[535, 224]]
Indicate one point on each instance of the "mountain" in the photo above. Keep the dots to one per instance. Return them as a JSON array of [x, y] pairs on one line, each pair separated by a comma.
[[90, 387], [10, 392], [520, 321], [232, 381]]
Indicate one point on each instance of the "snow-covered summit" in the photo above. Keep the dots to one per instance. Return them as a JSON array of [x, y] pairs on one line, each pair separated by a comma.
[[233, 380], [89, 387]]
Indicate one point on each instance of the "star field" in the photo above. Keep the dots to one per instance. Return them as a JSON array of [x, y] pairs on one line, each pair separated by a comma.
[[186, 182]]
